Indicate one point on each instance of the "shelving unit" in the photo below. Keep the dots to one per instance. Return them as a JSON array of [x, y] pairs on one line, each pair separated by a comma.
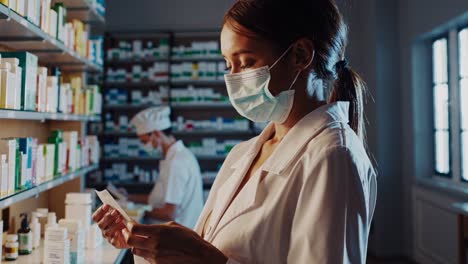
[[189, 110], [38, 116], [19, 34], [36, 190]]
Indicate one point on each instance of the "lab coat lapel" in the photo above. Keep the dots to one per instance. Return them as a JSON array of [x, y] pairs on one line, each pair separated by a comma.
[[246, 200], [226, 191]]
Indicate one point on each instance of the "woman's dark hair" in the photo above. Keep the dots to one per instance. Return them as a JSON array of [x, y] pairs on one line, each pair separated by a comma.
[[284, 22]]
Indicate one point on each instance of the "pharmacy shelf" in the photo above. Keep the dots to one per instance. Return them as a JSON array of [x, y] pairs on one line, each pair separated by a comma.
[[198, 82], [132, 85], [149, 159], [129, 106], [26, 115], [131, 62], [197, 59], [141, 187], [104, 253], [192, 106], [32, 192], [185, 133], [130, 159], [213, 133], [21, 35]]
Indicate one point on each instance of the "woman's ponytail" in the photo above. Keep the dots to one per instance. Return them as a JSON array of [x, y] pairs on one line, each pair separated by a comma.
[[350, 87]]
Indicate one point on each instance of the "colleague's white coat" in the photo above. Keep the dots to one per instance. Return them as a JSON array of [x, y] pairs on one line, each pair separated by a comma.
[[179, 183], [312, 201]]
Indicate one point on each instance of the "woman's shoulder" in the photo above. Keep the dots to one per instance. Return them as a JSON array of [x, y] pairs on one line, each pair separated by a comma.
[[338, 138]]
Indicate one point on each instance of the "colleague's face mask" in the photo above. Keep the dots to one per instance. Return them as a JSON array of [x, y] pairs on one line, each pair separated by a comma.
[[148, 147], [249, 94]]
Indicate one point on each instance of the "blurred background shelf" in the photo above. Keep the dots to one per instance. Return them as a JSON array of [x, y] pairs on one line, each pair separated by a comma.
[[131, 85], [197, 82]]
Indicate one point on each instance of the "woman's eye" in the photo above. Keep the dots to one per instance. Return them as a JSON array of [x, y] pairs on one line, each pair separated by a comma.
[[247, 65], [228, 68]]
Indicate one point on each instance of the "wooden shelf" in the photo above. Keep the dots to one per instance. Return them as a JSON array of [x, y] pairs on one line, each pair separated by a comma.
[[38, 116], [35, 191], [21, 35]]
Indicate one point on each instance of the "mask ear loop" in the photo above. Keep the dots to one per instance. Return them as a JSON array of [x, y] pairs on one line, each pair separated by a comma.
[[299, 73], [282, 55]]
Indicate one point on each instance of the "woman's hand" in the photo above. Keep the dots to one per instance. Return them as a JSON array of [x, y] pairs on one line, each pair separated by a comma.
[[170, 243], [111, 224]]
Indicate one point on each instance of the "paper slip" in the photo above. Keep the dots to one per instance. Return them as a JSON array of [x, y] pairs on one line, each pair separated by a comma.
[[107, 198]]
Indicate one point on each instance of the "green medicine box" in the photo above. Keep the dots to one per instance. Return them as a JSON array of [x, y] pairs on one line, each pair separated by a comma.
[[28, 62]]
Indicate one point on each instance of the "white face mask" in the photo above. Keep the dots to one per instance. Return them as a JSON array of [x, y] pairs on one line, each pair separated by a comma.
[[148, 147], [249, 94]]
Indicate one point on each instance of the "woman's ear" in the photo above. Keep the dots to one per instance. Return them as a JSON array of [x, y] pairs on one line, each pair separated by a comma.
[[304, 52]]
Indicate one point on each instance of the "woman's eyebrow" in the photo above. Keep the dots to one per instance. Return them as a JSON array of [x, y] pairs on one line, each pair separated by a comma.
[[239, 52]]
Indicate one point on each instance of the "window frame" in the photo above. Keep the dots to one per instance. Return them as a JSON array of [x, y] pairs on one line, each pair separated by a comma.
[[448, 175], [455, 175]]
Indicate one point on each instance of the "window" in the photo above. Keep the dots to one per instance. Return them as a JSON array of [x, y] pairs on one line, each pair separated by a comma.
[[463, 65], [441, 106], [450, 104]]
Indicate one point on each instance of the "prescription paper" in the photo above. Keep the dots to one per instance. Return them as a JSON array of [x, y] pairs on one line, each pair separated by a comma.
[[107, 198]]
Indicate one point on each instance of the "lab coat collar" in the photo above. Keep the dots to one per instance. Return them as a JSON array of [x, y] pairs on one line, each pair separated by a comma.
[[254, 148], [173, 149], [301, 133]]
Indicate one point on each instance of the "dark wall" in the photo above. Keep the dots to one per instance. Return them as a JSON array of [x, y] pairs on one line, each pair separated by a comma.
[[165, 14]]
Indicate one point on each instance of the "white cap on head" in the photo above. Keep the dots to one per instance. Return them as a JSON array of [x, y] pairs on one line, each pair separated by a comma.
[[152, 119]]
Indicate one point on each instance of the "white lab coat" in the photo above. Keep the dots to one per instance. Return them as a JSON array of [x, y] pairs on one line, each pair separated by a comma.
[[314, 205], [179, 183]]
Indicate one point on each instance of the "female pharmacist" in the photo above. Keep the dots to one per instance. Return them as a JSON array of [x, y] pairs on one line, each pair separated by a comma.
[[304, 190], [178, 193]]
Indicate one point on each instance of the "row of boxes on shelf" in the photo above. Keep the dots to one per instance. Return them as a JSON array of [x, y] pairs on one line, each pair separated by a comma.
[[62, 242], [203, 71], [178, 95], [136, 97], [25, 163], [159, 72], [212, 147], [214, 124], [197, 49], [122, 172], [197, 95], [181, 124], [127, 147], [25, 86], [139, 49], [53, 20]]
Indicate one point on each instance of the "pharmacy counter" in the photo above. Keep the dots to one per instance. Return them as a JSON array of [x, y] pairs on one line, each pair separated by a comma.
[[105, 254]]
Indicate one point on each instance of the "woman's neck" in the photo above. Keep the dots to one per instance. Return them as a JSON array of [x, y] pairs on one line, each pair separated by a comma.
[[303, 105]]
